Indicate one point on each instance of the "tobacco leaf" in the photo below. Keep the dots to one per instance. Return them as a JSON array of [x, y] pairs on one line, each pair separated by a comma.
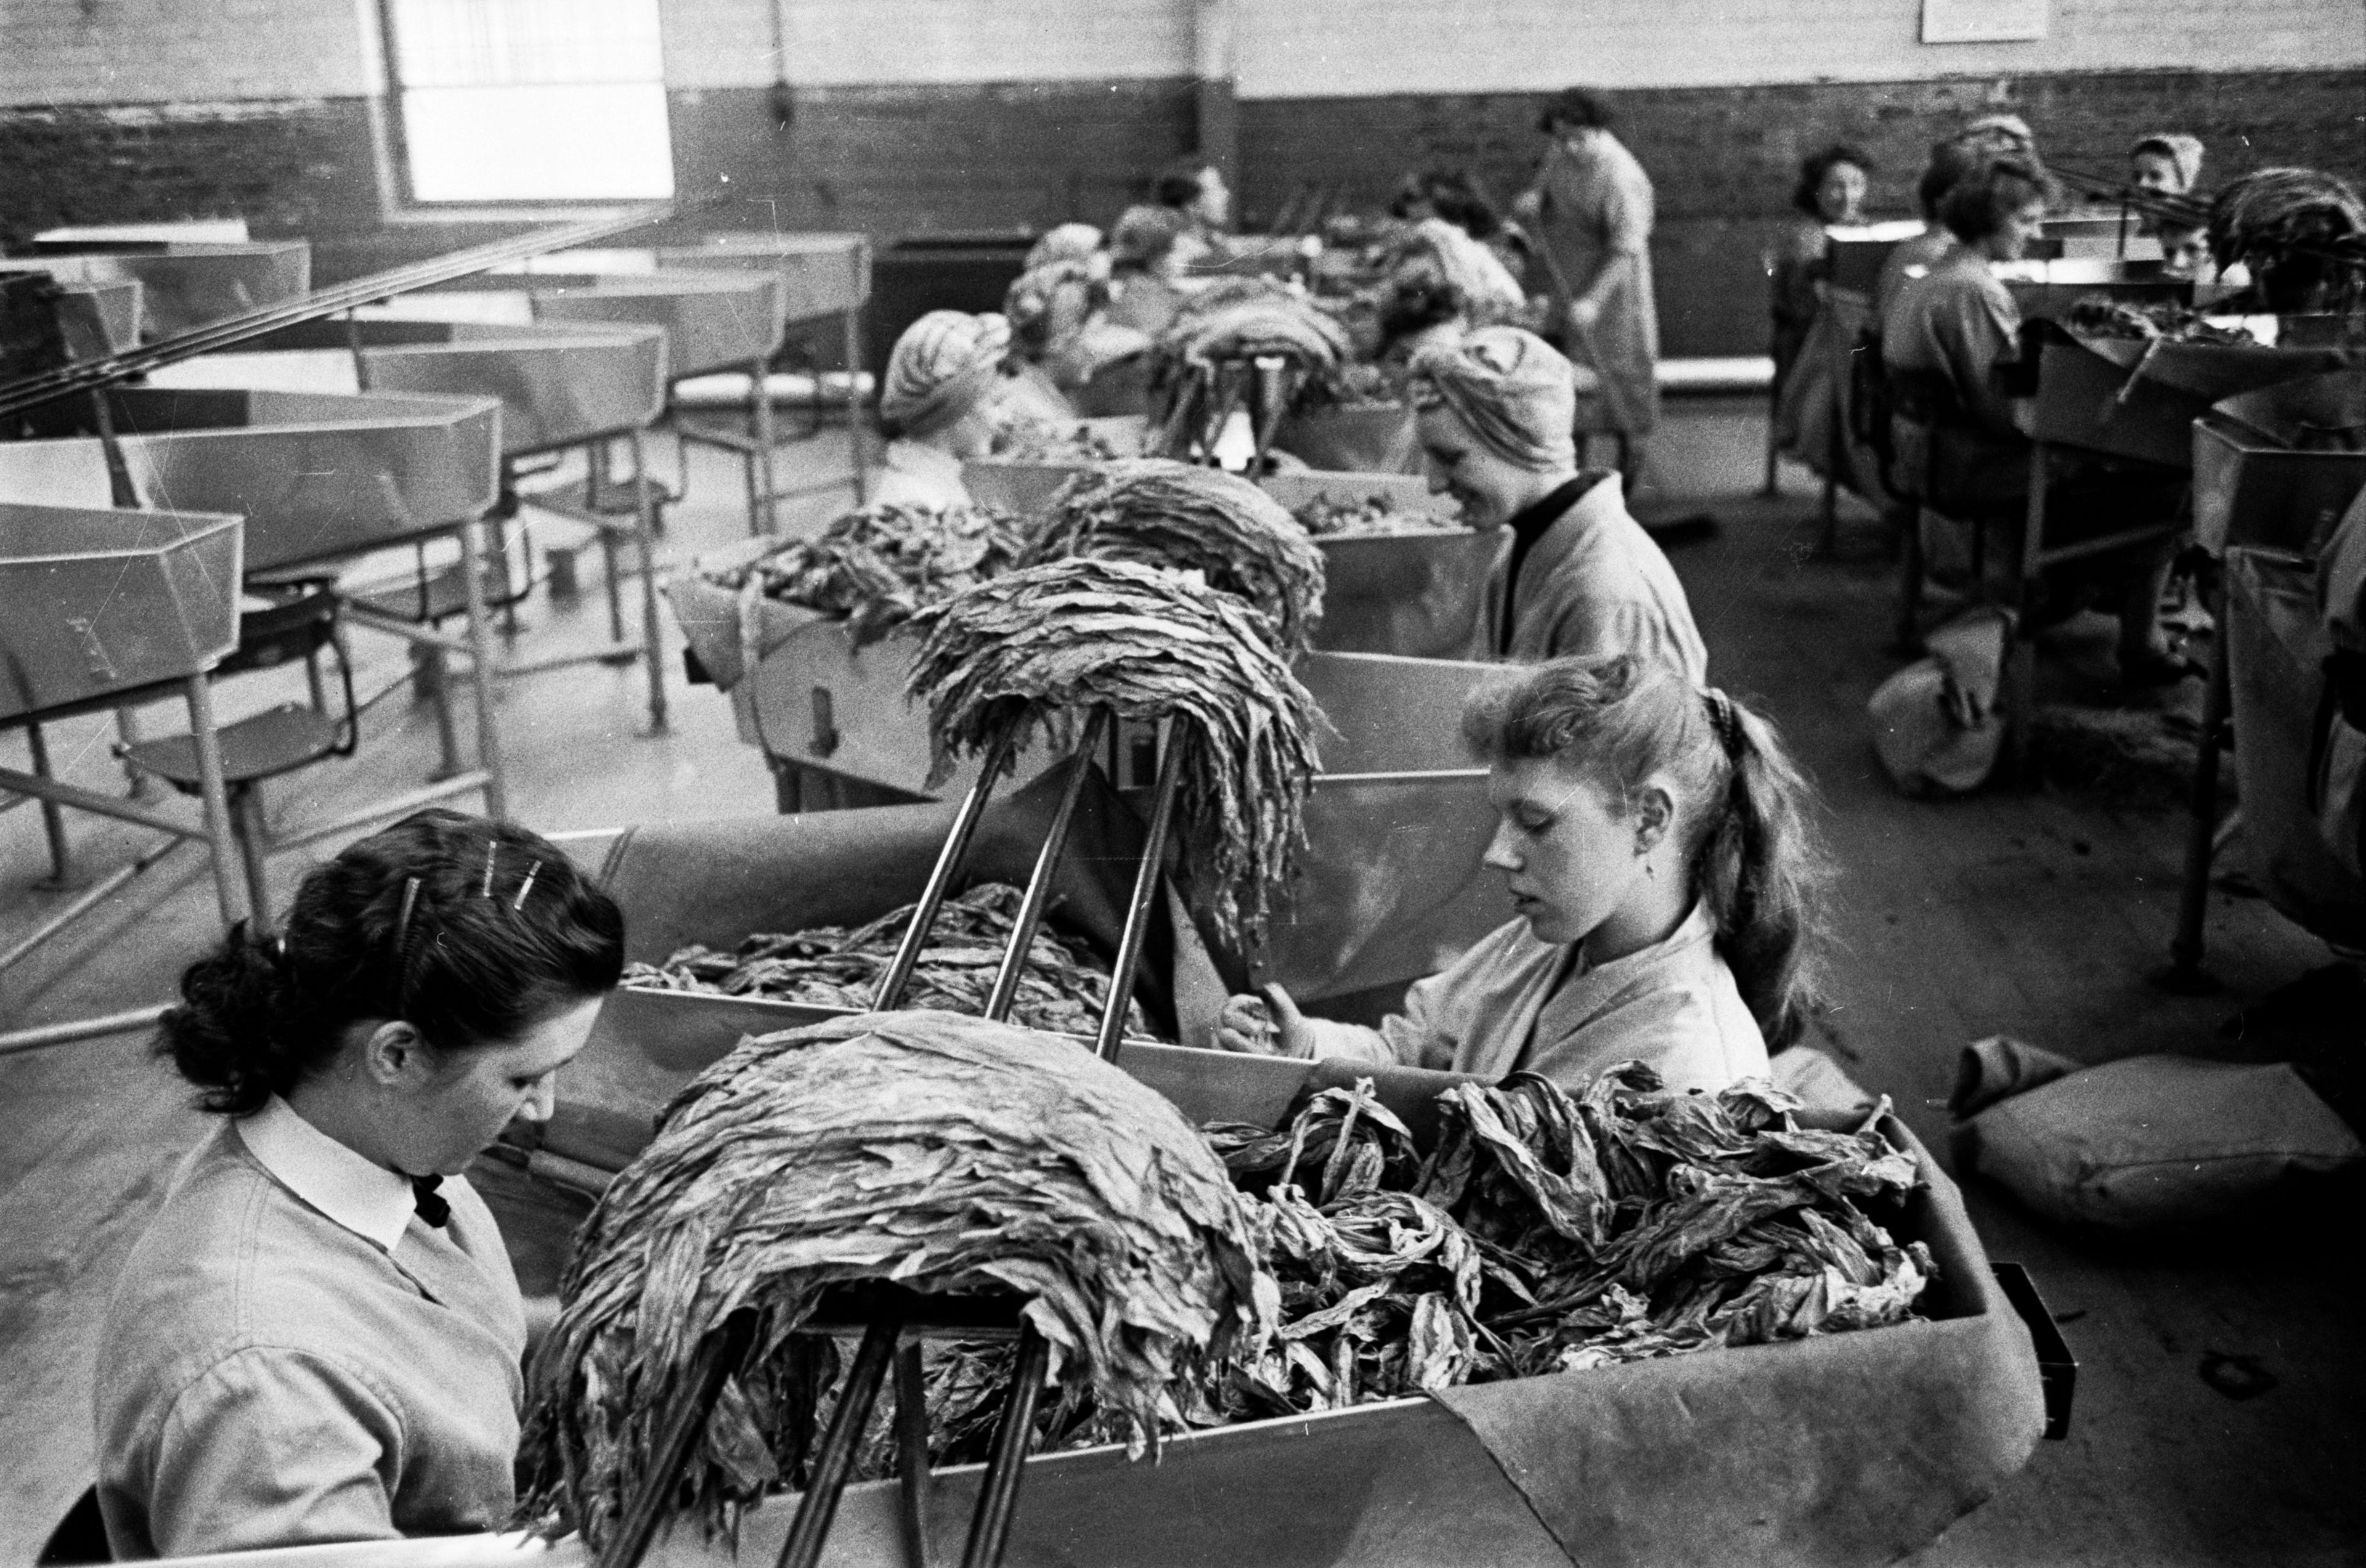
[[877, 565], [1063, 987]]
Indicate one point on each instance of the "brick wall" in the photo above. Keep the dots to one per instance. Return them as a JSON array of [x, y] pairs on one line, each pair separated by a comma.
[[1724, 159]]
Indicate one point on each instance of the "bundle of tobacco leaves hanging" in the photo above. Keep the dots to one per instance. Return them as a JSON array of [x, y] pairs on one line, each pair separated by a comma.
[[1063, 987], [1551, 1233], [1181, 515], [2100, 315], [1253, 318], [1345, 517], [1043, 641], [879, 564], [946, 1153]]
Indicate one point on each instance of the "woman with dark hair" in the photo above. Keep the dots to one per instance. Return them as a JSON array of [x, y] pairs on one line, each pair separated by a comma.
[[1656, 840], [318, 1338], [1830, 193], [1950, 161], [1194, 189], [1942, 343], [1591, 208]]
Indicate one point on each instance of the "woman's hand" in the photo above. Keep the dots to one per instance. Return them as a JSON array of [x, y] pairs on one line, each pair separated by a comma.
[[1267, 1024]]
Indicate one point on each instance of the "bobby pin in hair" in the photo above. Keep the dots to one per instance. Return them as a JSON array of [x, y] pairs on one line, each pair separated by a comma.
[[533, 870], [402, 921], [492, 848]]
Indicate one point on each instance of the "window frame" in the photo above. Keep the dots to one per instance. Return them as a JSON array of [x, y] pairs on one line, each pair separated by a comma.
[[397, 200]]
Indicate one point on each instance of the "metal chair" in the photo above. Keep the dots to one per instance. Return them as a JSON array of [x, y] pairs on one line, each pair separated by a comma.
[[282, 739]]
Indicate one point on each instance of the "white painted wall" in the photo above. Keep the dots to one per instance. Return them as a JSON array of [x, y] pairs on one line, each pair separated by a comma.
[[208, 50], [1347, 48]]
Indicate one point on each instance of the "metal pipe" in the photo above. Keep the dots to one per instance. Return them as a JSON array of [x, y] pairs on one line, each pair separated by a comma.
[[480, 668], [718, 1358], [890, 994], [762, 517], [45, 789], [53, 820], [2186, 945], [1047, 864], [91, 899], [855, 442], [998, 1497], [645, 514], [809, 1531], [81, 1029], [212, 793], [912, 1453], [1146, 888]]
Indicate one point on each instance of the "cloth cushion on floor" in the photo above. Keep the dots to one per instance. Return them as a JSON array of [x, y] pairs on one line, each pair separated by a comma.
[[1936, 724], [2150, 1143]]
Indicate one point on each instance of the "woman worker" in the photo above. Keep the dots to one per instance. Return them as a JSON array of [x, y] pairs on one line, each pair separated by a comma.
[[944, 400], [1145, 257], [1591, 210], [1194, 189], [317, 1339], [1654, 838], [1061, 337], [1580, 576], [1941, 343], [1830, 192]]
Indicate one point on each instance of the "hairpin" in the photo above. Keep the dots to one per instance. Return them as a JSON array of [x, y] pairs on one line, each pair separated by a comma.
[[492, 848], [402, 921], [533, 870]]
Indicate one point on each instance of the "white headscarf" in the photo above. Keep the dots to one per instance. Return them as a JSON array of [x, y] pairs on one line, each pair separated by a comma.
[[942, 365], [1512, 389]]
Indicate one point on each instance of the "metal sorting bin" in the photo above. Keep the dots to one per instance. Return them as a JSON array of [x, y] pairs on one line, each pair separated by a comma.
[[93, 600], [316, 475], [1893, 1432], [713, 320], [819, 274], [186, 283], [2048, 288], [1354, 438], [2276, 468], [2276, 647], [2127, 398], [557, 386], [1423, 595], [113, 310], [1025, 487]]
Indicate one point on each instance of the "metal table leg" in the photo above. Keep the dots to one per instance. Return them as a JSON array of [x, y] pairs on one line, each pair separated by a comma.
[[53, 817], [652, 623], [481, 671], [762, 482], [213, 797]]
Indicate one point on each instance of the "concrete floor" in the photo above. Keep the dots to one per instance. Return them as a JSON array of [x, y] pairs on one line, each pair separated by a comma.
[[2038, 916]]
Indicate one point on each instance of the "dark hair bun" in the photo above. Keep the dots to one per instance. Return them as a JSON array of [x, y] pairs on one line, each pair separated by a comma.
[[223, 1036], [469, 930]]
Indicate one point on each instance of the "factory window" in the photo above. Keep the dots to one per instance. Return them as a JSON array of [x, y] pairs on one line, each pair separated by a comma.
[[529, 100]]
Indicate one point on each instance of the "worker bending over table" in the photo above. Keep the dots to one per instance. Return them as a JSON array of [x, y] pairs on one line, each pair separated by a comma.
[[1654, 838], [1941, 343], [318, 1336], [944, 399], [1494, 414]]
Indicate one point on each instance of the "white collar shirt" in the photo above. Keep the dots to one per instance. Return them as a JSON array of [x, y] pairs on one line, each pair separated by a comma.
[[369, 1200]]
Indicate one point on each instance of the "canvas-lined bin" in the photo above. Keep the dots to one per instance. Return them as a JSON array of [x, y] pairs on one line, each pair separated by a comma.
[[2275, 469], [2129, 397], [1840, 1449], [1024, 486]]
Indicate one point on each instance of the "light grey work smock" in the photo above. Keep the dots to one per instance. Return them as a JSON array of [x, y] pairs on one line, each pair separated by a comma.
[[1513, 1003], [273, 1376]]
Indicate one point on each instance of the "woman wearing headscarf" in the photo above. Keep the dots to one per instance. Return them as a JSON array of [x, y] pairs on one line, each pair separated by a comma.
[[1070, 242], [1579, 576], [1061, 336], [1145, 260], [942, 400], [1591, 208]]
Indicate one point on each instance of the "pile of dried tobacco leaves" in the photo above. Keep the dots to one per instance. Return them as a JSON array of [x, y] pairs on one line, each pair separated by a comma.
[[947, 1154], [1327, 518], [1063, 987], [1040, 440], [879, 564], [1551, 1233], [1045, 641], [1189, 518]]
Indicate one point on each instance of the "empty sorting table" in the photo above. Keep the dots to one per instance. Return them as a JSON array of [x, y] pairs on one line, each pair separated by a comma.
[[186, 283]]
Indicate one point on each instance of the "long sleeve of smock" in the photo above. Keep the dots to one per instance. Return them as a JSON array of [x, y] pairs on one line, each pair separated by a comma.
[[274, 1446]]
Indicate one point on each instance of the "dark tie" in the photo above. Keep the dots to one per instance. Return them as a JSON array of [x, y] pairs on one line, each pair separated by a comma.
[[432, 1208]]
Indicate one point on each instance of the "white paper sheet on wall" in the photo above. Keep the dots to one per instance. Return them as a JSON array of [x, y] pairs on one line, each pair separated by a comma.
[[1984, 21]]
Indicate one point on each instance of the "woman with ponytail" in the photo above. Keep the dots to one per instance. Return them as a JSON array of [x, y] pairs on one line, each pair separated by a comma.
[[1655, 840], [318, 1338]]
